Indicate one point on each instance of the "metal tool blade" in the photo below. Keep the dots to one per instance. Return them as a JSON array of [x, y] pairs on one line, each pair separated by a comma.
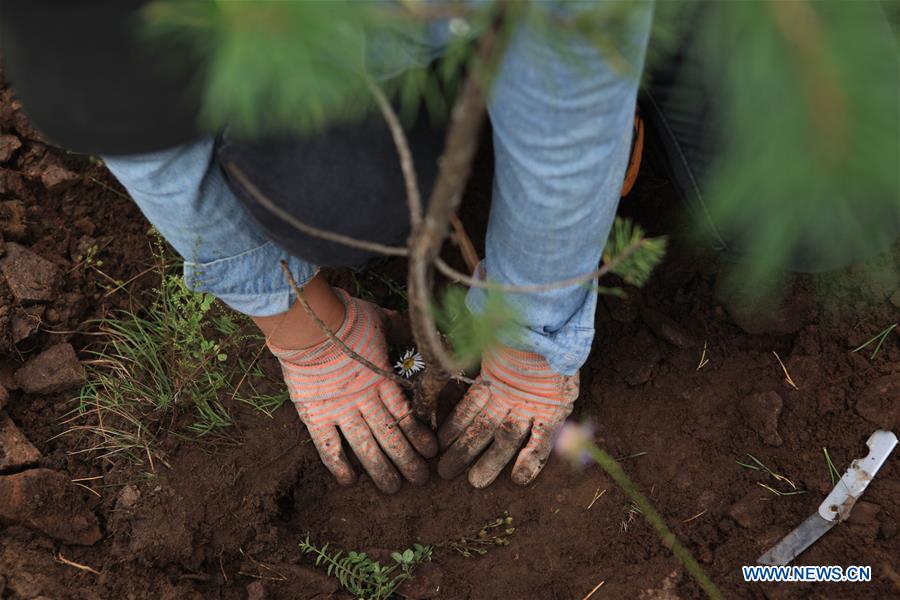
[[797, 541]]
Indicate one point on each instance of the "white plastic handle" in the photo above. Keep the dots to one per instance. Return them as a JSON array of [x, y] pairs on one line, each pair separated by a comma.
[[840, 501]]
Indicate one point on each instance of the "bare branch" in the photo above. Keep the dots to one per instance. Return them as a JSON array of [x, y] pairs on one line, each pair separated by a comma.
[[466, 247], [455, 165], [301, 297], [309, 229], [413, 196], [460, 277]]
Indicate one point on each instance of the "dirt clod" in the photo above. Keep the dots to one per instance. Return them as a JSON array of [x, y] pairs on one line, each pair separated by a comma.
[[8, 146], [53, 370], [25, 321], [4, 396], [56, 178], [667, 329], [30, 277], [761, 413], [750, 510], [13, 220], [879, 404], [49, 502], [15, 449]]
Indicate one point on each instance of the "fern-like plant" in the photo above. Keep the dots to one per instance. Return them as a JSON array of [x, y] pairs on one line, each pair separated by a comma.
[[363, 576]]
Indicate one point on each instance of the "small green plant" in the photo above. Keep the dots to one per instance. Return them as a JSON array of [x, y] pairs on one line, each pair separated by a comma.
[[879, 338], [494, 533], [832, 470], [757, 465], [365, 577], [171, 357]]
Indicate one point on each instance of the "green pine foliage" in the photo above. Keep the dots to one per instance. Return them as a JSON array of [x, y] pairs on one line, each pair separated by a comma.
[[808, 95], [471, 333], [805, 93]]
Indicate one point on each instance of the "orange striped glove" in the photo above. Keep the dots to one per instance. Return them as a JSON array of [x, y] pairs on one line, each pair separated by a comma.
[[517, 394], [333, 392]]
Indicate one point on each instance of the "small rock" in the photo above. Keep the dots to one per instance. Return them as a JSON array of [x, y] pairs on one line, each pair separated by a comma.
[[24, 322], [30, 277], [13, 220], [4, 396], [53, 370], [761, 413], [8, 146], [895, 299], [128, 497], [47, 501], [15, 449], [7, 380], [667, 329], [257, 591], [879, 402], [750, 512], [56, 178]]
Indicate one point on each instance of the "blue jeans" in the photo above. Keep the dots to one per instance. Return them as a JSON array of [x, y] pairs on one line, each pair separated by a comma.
[[562, 119]]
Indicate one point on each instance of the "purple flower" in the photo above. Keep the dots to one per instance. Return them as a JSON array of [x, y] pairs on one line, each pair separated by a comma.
[[573, 442]]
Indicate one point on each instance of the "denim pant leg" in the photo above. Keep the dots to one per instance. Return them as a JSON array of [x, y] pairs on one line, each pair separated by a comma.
[[183, 192], [562, 120]]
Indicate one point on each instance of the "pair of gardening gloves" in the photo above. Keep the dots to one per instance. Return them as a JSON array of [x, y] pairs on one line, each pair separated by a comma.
[[517, 399]]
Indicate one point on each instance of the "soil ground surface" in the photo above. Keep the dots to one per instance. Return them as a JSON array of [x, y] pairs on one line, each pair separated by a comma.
[[225, 521]]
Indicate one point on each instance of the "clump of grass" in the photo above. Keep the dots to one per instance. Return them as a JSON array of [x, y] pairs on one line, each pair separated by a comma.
[[365, 577], [171, 358], [879, 338], [757, 465]]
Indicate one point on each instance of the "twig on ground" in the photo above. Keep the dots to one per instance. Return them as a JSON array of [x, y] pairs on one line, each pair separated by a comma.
[[703, 360], [787, 376], [596, 587], [697, 516], [72, 563], [597, 495], [301, 297]]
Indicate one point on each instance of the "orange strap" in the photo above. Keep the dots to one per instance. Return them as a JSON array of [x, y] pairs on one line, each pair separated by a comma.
[[637, 151]]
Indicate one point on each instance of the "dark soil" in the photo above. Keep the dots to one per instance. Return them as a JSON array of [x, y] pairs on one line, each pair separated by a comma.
[[224, 522]]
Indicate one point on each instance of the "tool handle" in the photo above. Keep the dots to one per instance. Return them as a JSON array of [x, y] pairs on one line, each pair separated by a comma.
[[840, 501]]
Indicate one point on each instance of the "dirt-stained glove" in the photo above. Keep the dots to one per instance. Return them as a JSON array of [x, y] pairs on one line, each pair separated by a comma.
[[523, 396], [332, 392]]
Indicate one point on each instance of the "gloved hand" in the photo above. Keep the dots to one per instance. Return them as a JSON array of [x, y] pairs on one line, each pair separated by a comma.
[[332, 392], [523, 396]]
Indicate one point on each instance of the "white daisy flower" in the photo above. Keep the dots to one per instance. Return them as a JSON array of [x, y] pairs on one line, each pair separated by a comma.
[[410, 363]]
